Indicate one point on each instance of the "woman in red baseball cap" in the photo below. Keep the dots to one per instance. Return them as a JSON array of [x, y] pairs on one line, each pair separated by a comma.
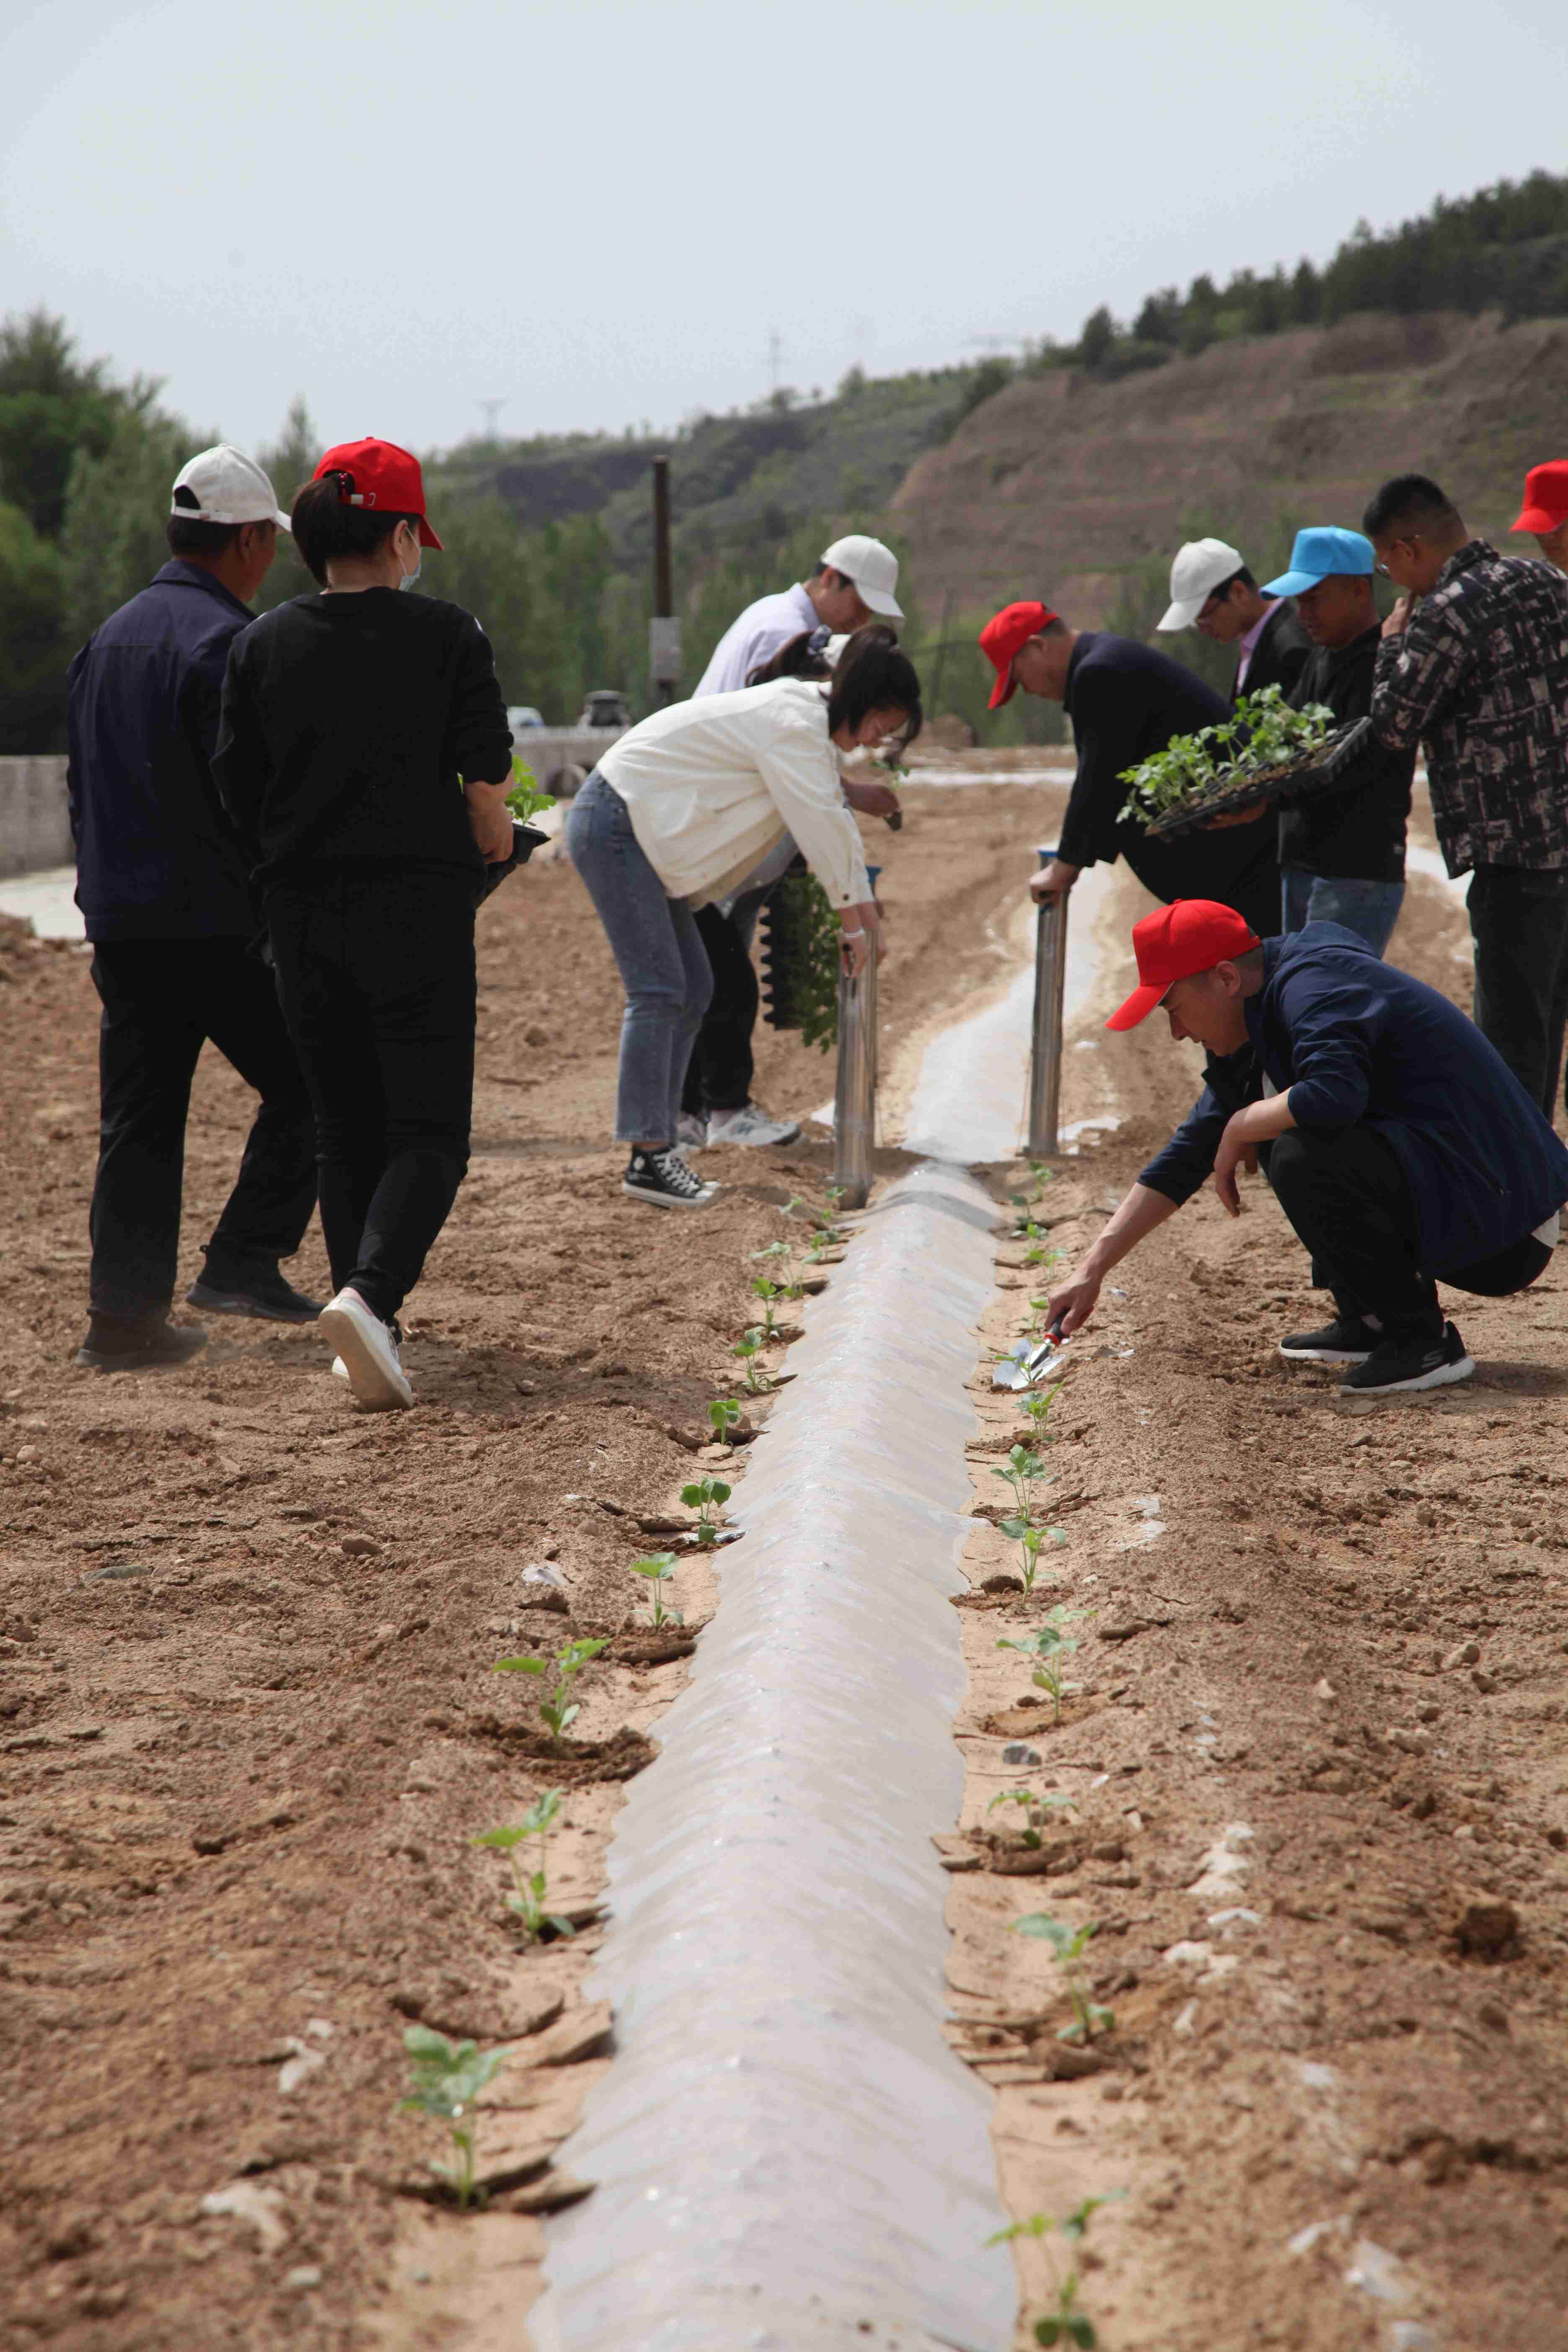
[[365, 755]]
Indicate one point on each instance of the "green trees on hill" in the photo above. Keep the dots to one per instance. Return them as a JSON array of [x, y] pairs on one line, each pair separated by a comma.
[[1505, 248]]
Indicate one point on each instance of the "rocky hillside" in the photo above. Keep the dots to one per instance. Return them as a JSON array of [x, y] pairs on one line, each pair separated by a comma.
[[1065, 486]]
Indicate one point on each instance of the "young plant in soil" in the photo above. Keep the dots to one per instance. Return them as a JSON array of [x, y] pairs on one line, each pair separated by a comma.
[[1033, 1810], [1047, 1645], [723, 1413], [1068, 1944], [557, 1706], [749, 1348], [527, 1899], [767, 1292], [1024, 1467], [1030, 1540], [1068, 2323], [448, 2079], [1038, 1408], [658, 1569], [701, 1497]]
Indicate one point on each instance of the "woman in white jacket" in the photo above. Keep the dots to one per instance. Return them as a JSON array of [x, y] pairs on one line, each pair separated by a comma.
[[677, 812]]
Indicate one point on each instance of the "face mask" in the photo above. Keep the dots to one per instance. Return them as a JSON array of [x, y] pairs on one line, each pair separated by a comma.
[[411, 579]]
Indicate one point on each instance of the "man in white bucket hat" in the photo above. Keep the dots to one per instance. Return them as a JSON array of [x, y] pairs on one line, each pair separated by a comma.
[[853, 581], [165, 896]]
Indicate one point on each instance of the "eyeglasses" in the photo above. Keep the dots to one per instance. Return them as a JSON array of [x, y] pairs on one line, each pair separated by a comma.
[[1409, 539]]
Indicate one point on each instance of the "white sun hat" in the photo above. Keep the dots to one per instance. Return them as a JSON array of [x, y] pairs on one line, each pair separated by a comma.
[[1197, 572], [871, 568], [227, 486]]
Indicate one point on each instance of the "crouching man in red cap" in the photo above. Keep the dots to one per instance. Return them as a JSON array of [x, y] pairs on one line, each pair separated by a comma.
[[1399, 1144]]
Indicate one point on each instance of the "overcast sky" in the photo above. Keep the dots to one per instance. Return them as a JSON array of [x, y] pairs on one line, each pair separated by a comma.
[[601, 213]]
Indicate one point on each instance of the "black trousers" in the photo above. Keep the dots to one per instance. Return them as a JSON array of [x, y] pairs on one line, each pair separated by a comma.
[[162, 999], [718, 1074], [1519, 921], [376, 979], [1345, 1193]]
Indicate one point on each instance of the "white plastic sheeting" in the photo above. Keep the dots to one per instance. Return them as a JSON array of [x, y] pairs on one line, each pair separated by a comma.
[[788, 2154]]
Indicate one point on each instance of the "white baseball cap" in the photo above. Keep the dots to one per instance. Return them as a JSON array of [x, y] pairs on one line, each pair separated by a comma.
[[227, 486], [1197, 572], [873, 569]]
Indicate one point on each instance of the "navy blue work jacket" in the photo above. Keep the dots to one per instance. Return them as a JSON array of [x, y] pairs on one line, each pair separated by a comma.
[[156, 856], [1358, 1041]]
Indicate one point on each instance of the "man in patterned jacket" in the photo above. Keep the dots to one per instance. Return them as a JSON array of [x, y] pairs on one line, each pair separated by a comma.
[[1474, 664]]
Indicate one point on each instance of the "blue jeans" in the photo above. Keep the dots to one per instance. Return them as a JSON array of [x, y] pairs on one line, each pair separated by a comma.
[[659, 954], [1371, 909]]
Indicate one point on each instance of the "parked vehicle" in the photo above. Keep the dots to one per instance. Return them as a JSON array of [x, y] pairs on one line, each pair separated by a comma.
[[522, 717], [605, 707]]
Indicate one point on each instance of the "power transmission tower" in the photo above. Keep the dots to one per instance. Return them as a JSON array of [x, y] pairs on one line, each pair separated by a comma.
[[493, 409], [774, 359]]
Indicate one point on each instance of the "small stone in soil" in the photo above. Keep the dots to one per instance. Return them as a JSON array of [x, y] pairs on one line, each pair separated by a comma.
[[1017, 1752], [359, 1547]]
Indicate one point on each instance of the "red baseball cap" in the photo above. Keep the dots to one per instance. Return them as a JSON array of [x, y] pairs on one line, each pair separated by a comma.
[[1174, 943], [380, 474], [1005, 634], [1545, 497]]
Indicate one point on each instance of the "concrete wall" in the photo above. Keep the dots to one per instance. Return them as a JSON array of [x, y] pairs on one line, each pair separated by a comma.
[[35, 828]]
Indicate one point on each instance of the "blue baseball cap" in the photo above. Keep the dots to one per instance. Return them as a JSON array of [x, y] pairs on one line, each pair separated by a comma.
[[1321, 554]]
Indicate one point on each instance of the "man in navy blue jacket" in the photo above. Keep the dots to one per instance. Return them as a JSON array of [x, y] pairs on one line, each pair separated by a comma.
[[1401, 1145], [163, 887]]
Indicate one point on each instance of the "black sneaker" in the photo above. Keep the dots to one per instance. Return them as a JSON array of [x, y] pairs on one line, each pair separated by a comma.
[[263, 1292], [151, 1344], [1396, 1366], [664, 1181], [1346, 1340]]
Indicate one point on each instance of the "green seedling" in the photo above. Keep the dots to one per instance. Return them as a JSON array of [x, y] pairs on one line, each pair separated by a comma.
[[1037, 1310], [526, 800], [1033, 1808], [774, 1249], [1068, 2323], [1068, 1945], [527, 1901], [1042, 1175], [749, 1348], [796, 1200], [658, 1569], [1047, 1645], [701, 1497], [448, 2079], [1262, 733], [557, 1706], [1024, 1467], [723, 1412], [767, 1292], [1031, 1541], [1039, 1409]]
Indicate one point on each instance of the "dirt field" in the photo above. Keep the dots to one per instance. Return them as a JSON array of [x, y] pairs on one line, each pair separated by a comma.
[[251, 1725]]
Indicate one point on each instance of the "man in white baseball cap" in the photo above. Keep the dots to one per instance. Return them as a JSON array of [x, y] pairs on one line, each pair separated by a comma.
[[852, 583], [165, 894], [1212, 591]]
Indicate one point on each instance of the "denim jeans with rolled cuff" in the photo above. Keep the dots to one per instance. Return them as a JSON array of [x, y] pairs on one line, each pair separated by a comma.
[[659, 953], [1370, 909]]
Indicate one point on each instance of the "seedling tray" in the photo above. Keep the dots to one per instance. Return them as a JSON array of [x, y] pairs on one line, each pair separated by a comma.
[[1325, 770]]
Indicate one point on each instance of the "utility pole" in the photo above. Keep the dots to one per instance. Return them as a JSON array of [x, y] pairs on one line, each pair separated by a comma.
[[775, 358], [493, 409], [663, 629]]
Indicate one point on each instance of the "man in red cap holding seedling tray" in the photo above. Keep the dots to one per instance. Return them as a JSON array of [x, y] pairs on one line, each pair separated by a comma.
[[1400, 1145], [1545, 511], [1126, 701]]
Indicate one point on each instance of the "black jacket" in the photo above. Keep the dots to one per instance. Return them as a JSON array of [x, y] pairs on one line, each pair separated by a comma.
[[156, 856], [349, 724], [1356, 1041], [1358, 832], [1126, 701], [1280, 654]]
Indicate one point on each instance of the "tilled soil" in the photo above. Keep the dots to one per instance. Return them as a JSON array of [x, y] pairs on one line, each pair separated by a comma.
[[244, 1767], [1317, 1804]]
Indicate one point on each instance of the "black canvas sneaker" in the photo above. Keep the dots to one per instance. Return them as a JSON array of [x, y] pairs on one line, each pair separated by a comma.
[[1402, 1366], [1346, 1340], [664, 1181]]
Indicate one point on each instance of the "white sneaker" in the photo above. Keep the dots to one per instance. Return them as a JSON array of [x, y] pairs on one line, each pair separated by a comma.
[[368, 1350], [750, 1124], [690, 1132], [340, 1369]]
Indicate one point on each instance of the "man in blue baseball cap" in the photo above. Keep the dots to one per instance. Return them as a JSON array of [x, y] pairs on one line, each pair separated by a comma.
[[1342, 853]]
